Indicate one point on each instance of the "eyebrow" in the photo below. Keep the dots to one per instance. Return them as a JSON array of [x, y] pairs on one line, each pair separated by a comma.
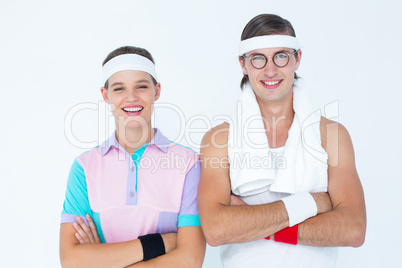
[[279, 51], [116, 83], [138, 81]]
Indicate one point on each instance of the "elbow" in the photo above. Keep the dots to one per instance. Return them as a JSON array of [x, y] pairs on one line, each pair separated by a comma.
[[192, 258], [213, 229], [357, 238], [213, 237], [194, 262], [357, 235], [65, 263], [214, 242], [68, 263], [69, 260]]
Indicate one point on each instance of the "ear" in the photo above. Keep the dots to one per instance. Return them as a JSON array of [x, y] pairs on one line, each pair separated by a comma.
[[242, 64], [298, 59], [157, 91], [104, 95]]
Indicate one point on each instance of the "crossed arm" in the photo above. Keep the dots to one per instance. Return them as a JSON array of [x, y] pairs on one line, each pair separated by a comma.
[[342, 224], [80, 247]]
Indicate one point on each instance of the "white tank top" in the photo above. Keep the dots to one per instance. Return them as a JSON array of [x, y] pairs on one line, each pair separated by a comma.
[[268, 253]]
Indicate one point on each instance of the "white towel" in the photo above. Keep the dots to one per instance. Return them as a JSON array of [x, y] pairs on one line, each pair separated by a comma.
[[303, 167]]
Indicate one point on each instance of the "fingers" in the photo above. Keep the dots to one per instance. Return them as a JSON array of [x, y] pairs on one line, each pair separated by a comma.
[[83, 230], [79, 238], [236, 201], [93, 229], [170, 241], [80, 234], [323, 202]]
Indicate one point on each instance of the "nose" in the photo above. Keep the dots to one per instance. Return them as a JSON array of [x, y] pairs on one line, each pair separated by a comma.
[[132, 95], [270, 68]]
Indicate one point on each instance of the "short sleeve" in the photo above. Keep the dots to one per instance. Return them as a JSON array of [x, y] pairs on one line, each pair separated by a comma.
[[76, 202], [188, 214]]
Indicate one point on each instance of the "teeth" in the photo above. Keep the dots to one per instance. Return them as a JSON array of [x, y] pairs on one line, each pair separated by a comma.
[[132, 109], [270, 83]]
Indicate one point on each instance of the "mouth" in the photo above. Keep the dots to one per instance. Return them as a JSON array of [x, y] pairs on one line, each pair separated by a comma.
[[133, 109], [271, 83]]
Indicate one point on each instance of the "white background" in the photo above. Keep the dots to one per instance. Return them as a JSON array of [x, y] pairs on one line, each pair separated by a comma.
[[50, 61]]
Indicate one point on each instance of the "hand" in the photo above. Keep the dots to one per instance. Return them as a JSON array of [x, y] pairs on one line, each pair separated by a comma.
[[236, 201], [323, 202], [85, 234], [170, 241]]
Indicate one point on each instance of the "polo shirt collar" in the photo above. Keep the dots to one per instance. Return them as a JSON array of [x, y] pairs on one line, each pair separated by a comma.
[[159, 140]]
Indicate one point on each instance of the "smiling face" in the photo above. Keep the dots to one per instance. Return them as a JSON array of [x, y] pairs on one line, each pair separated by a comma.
[[131, 95], [271, 83]]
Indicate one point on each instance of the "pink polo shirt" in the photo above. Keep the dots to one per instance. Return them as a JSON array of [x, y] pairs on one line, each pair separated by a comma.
[[152, 191]]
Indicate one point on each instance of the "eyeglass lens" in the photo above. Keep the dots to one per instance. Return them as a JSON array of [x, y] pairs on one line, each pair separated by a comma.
[[259, 61]]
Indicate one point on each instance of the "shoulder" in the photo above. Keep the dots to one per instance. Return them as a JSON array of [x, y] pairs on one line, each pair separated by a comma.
[[332, 132], [335, 139], [90, 154], [216, 137], [214, 147], [181, 149]]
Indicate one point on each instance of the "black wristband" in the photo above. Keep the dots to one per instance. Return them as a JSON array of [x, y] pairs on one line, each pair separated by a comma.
[[152, 246]]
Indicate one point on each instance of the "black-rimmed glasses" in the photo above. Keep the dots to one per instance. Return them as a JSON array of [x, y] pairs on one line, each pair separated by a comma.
[[280, 59]]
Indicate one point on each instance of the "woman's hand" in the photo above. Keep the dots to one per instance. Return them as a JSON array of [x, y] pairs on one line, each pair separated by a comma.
[[86, 234], [170, 241]]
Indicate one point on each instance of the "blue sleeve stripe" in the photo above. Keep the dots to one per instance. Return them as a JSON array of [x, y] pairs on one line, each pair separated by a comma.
[[97, 221], [77, 202], [188, 220]]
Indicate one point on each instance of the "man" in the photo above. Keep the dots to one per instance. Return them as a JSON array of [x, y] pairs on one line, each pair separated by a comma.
[[305, 204]]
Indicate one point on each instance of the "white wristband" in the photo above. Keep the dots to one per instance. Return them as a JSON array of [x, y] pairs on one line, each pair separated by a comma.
[[300, 207]]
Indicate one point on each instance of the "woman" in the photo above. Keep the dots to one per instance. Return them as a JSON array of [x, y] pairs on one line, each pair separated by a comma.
[[133, 187]]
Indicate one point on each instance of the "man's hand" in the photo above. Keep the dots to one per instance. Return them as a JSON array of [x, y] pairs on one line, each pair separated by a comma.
[[236, 201], [85, 234], [323, 202]]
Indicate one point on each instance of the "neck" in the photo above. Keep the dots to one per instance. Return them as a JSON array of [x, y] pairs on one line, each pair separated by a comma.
[[278, 110], [132, 139], [278, 118]]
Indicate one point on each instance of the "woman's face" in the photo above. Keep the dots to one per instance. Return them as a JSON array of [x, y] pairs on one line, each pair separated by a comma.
[[131, 95]]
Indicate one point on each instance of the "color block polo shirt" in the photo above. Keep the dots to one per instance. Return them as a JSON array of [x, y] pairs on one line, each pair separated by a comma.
[[152, 191]]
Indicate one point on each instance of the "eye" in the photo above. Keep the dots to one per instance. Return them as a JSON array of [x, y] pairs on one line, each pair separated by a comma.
[[258, 58], [143, 87], [118, 89], [281, 56]]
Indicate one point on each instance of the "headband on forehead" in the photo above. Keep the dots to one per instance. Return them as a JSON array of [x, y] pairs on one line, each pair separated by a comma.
[[131, 62], [268, 41]]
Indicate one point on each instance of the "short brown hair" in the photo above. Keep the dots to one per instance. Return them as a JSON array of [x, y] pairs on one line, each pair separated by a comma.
[[129, 50], [266, 24]]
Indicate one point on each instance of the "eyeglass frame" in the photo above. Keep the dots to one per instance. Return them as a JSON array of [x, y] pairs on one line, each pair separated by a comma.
[[279, 52]]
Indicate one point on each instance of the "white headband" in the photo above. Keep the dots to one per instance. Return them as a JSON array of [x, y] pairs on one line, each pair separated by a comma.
[[132, 62], [268, 41]]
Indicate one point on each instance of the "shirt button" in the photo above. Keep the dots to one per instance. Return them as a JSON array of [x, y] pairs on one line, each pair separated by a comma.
[[132, 194], [132, 168]]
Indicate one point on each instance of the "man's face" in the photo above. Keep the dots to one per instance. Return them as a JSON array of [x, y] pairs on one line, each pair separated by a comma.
[[271, 83]]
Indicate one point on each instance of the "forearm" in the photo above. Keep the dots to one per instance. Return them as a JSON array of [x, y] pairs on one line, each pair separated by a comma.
[[102, 255], [225, 224], [122, 254], [176, 258], [190, 251], [338, 227]]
